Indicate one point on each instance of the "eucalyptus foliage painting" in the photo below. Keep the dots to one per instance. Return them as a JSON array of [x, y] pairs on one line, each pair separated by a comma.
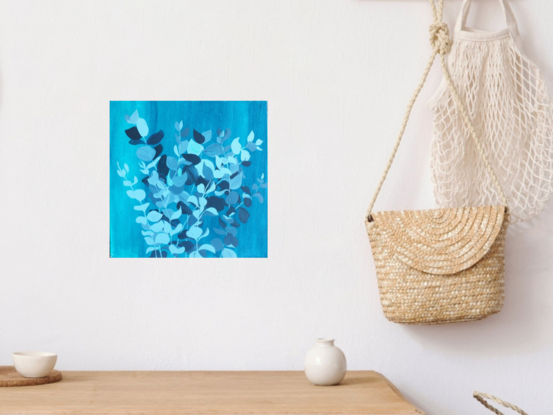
[[188, 179]]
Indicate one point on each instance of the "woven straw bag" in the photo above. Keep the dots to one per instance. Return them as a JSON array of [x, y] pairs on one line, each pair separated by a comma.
[[443, 265], [481, 397]]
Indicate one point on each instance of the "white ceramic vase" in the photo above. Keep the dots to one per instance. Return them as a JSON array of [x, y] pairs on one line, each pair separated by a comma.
[[325, 364]]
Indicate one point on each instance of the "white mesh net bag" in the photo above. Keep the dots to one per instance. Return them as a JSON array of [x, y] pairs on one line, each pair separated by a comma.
[[507, 100]]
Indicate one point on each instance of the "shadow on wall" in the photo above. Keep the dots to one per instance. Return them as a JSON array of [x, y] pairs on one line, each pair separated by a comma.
[[528, 264]]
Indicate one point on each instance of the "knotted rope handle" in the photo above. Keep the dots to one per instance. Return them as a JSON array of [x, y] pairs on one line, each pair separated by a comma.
[[441, 45], [481, 397]]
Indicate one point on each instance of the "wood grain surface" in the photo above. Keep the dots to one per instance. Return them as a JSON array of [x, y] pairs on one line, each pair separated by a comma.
[[213, 393], [10, 377]]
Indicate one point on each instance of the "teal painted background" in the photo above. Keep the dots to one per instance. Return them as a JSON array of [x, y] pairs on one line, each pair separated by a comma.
[[129, 239]]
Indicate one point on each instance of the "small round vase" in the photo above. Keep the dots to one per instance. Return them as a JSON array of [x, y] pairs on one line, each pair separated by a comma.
[[325, 364]]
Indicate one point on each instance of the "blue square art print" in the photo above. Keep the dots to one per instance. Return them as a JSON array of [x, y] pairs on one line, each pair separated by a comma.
[[188, 179]]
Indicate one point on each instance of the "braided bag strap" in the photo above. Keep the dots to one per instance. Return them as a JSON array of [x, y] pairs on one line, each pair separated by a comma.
[[481, 397], [441, 45]]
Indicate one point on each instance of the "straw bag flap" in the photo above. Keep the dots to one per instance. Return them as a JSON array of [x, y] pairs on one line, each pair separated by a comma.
[[439, 241]]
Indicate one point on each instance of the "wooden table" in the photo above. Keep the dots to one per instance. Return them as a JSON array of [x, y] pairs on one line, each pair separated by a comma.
[[210, 393]]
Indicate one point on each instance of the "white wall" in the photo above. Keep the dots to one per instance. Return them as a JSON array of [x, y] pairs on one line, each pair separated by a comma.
[[337, 75]]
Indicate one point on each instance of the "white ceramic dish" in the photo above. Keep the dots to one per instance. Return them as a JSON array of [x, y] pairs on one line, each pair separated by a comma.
[[34, 364]]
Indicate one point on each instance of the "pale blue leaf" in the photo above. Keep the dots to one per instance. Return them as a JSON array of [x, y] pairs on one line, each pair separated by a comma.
[[211, 212], [139, 194], [258, 142], [207, 247], [183, 147], [154, 216], [162, 239], [207, 136], [147, 233], [195, 148], [235, 146], [236, 182], [206, 233], [142, 220], [126, 167], [244, 155], [157, 227], [251, 136], [153, 178], [177, 229], [172, 163], [142, 127], [194, 232], [195, 254], [175, 250], [133, 118], [127, 183], [177, 214], [145, 153], [142, 207], [149, 240], [151, 249], [228, 253], [153, 163]]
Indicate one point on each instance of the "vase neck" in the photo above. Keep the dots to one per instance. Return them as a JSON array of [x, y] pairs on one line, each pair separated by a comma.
[[325, 342]]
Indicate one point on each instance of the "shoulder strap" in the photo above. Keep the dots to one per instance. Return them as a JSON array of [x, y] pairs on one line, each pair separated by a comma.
[[441, 45], [510, 19]]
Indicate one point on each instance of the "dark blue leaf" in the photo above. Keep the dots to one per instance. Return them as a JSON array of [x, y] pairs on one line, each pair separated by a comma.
[[200, 180], [231, 211], [185, 132], [198, 138], [247, 202], [216, 202], [162, 168], [223, 185], [136, 142], [155, 138], [185, 209], [246, 190], [158, 150], [192, 174], [192, 158], [133, 133], [222, 224], [246, 163], [243, 215]]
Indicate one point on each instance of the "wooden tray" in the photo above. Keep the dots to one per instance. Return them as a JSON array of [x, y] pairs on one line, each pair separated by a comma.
[[10, 377]]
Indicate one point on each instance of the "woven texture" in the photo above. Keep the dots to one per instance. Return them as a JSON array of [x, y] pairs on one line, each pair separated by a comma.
[[507, 101], [439, 266]]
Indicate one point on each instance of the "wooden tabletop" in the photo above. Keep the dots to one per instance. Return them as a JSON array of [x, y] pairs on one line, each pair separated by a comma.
[[213, 393]]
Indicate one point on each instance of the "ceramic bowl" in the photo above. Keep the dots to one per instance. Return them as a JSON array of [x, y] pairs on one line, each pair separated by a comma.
[[34, 364]]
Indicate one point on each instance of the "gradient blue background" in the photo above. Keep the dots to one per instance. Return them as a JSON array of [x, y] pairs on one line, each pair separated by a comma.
[[241, 117]]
